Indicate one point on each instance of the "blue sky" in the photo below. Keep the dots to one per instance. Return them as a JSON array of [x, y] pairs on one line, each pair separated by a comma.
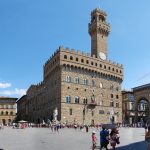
[[31, 30]]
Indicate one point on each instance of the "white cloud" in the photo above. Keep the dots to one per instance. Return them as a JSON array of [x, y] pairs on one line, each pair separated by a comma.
[[18, 92], [5, 85]]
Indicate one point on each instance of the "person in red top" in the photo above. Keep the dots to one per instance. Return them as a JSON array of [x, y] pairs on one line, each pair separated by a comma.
[[94, 139]]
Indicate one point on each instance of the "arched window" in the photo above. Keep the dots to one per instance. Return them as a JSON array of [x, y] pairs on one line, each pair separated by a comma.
[[76, 58], [6, 112], [68, 99], [76, 100], [112, 96], [85, 82], [91, 63], [76, 80], [82, 60], [11, 113], [2, 113], [65, 56], [71, 58], [87, 61], [93, 83], [68, 79]]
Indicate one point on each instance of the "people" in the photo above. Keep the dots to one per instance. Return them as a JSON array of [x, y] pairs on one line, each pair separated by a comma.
[[114, 138], [147, 138], [94, 139], [103, 139]]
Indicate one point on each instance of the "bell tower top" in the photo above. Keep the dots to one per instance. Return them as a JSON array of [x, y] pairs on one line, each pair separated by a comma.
[[99, 30]]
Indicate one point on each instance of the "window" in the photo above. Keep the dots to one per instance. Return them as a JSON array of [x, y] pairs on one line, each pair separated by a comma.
[[92, 113], [6, 112], [101, 112], [77, 59], [117, 97], [111, 104], [65, 56], [117, 70], [85, 100], [68, 79], [93, 83], [104, 67], [68, 99], [95, 64], [2, 112], [6, 106], [120, 71], [87, 61], [71, 58], [76, 100], [11, 113], [76, 80], [108, 68], [70, 111], [101, 65], [117, 104], [91, 63], [85, 82], [112, 96], [82, 60], [111, 87]]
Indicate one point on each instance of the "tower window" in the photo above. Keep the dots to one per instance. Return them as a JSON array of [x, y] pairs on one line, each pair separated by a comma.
[[117, 96], [104, 67], [108, 68], [87, 62], [82, 60], [113, 69], [93, 83], [77, 59], [101, 65], [85, 82], [91, 63], [112, 96], [111, 104], [116, 70], [117, 104]]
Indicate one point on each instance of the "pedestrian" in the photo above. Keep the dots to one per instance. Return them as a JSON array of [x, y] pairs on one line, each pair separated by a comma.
[[94, 139], [114, 138], [103, 139], [147, 138]]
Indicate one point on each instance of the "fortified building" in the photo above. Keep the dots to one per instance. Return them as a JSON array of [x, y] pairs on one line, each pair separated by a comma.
[[85, 88]]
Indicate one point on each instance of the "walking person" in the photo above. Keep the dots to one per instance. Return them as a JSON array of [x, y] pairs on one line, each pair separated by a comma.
[[147, 138], [94, 139], [103, 139]]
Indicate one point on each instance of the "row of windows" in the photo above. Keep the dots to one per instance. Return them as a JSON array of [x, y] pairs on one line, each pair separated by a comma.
[[85, 101], [92, 112], [6, 113], [92, 63], [7, 106], [86, 82]]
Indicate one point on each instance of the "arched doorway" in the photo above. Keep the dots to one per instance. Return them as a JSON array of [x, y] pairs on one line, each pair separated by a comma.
[[143, 111]]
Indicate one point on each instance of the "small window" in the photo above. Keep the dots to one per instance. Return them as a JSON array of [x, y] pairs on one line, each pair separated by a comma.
[[93, 83], [113, 69], [117, 105], [76, 80], [68, 99], [11, 113], [70, 111], [112, 96], [68, 79], [87, 61], [92, 113], [108, 68], [82, 60], [91, 63], [76, 100], [116, 70], [85, 82], [111, 104], [77, 59], [120, 71], [95, 64], [117, 97], [65, 56], [71, 58], [6, 112], [2, 112], [104, 67], [100, 65]]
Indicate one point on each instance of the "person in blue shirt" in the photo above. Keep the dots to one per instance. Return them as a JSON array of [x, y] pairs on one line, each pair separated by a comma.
[[103, 139]]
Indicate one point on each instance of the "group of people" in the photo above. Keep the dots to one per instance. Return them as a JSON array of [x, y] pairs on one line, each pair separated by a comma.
[[106, 138]]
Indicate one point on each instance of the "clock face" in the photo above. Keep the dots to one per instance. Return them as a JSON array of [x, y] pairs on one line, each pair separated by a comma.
[[102, 56]]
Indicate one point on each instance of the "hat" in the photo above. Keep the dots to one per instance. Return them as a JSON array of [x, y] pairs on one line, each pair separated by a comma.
[[94, 132]]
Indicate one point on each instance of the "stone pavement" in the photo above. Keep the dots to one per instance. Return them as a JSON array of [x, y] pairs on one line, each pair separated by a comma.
[[66, 139]]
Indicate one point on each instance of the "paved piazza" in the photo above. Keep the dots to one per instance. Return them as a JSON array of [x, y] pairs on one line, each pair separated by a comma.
[[66, 139]]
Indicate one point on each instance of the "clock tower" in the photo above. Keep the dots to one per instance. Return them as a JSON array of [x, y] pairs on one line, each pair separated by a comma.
[[99, 30]]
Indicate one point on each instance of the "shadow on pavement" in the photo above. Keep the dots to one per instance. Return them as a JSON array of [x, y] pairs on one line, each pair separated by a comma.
[[134, 146]]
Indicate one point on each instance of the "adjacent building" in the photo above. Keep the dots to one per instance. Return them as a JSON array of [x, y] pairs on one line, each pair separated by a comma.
[[7, 110], [83, 88]]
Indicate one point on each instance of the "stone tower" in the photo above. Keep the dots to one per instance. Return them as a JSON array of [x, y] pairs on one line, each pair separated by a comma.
[[99, 30]]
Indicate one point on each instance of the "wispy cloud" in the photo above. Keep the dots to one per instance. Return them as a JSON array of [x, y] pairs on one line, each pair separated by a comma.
[[5, 85], [18, 92]]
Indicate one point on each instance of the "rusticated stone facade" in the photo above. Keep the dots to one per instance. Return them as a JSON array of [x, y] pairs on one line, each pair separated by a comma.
[[85, 88], [7, 110]]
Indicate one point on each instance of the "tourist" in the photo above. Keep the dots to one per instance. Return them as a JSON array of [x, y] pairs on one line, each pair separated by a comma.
[[147, 138], [103, 139], [94, 139], [114, 138]]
